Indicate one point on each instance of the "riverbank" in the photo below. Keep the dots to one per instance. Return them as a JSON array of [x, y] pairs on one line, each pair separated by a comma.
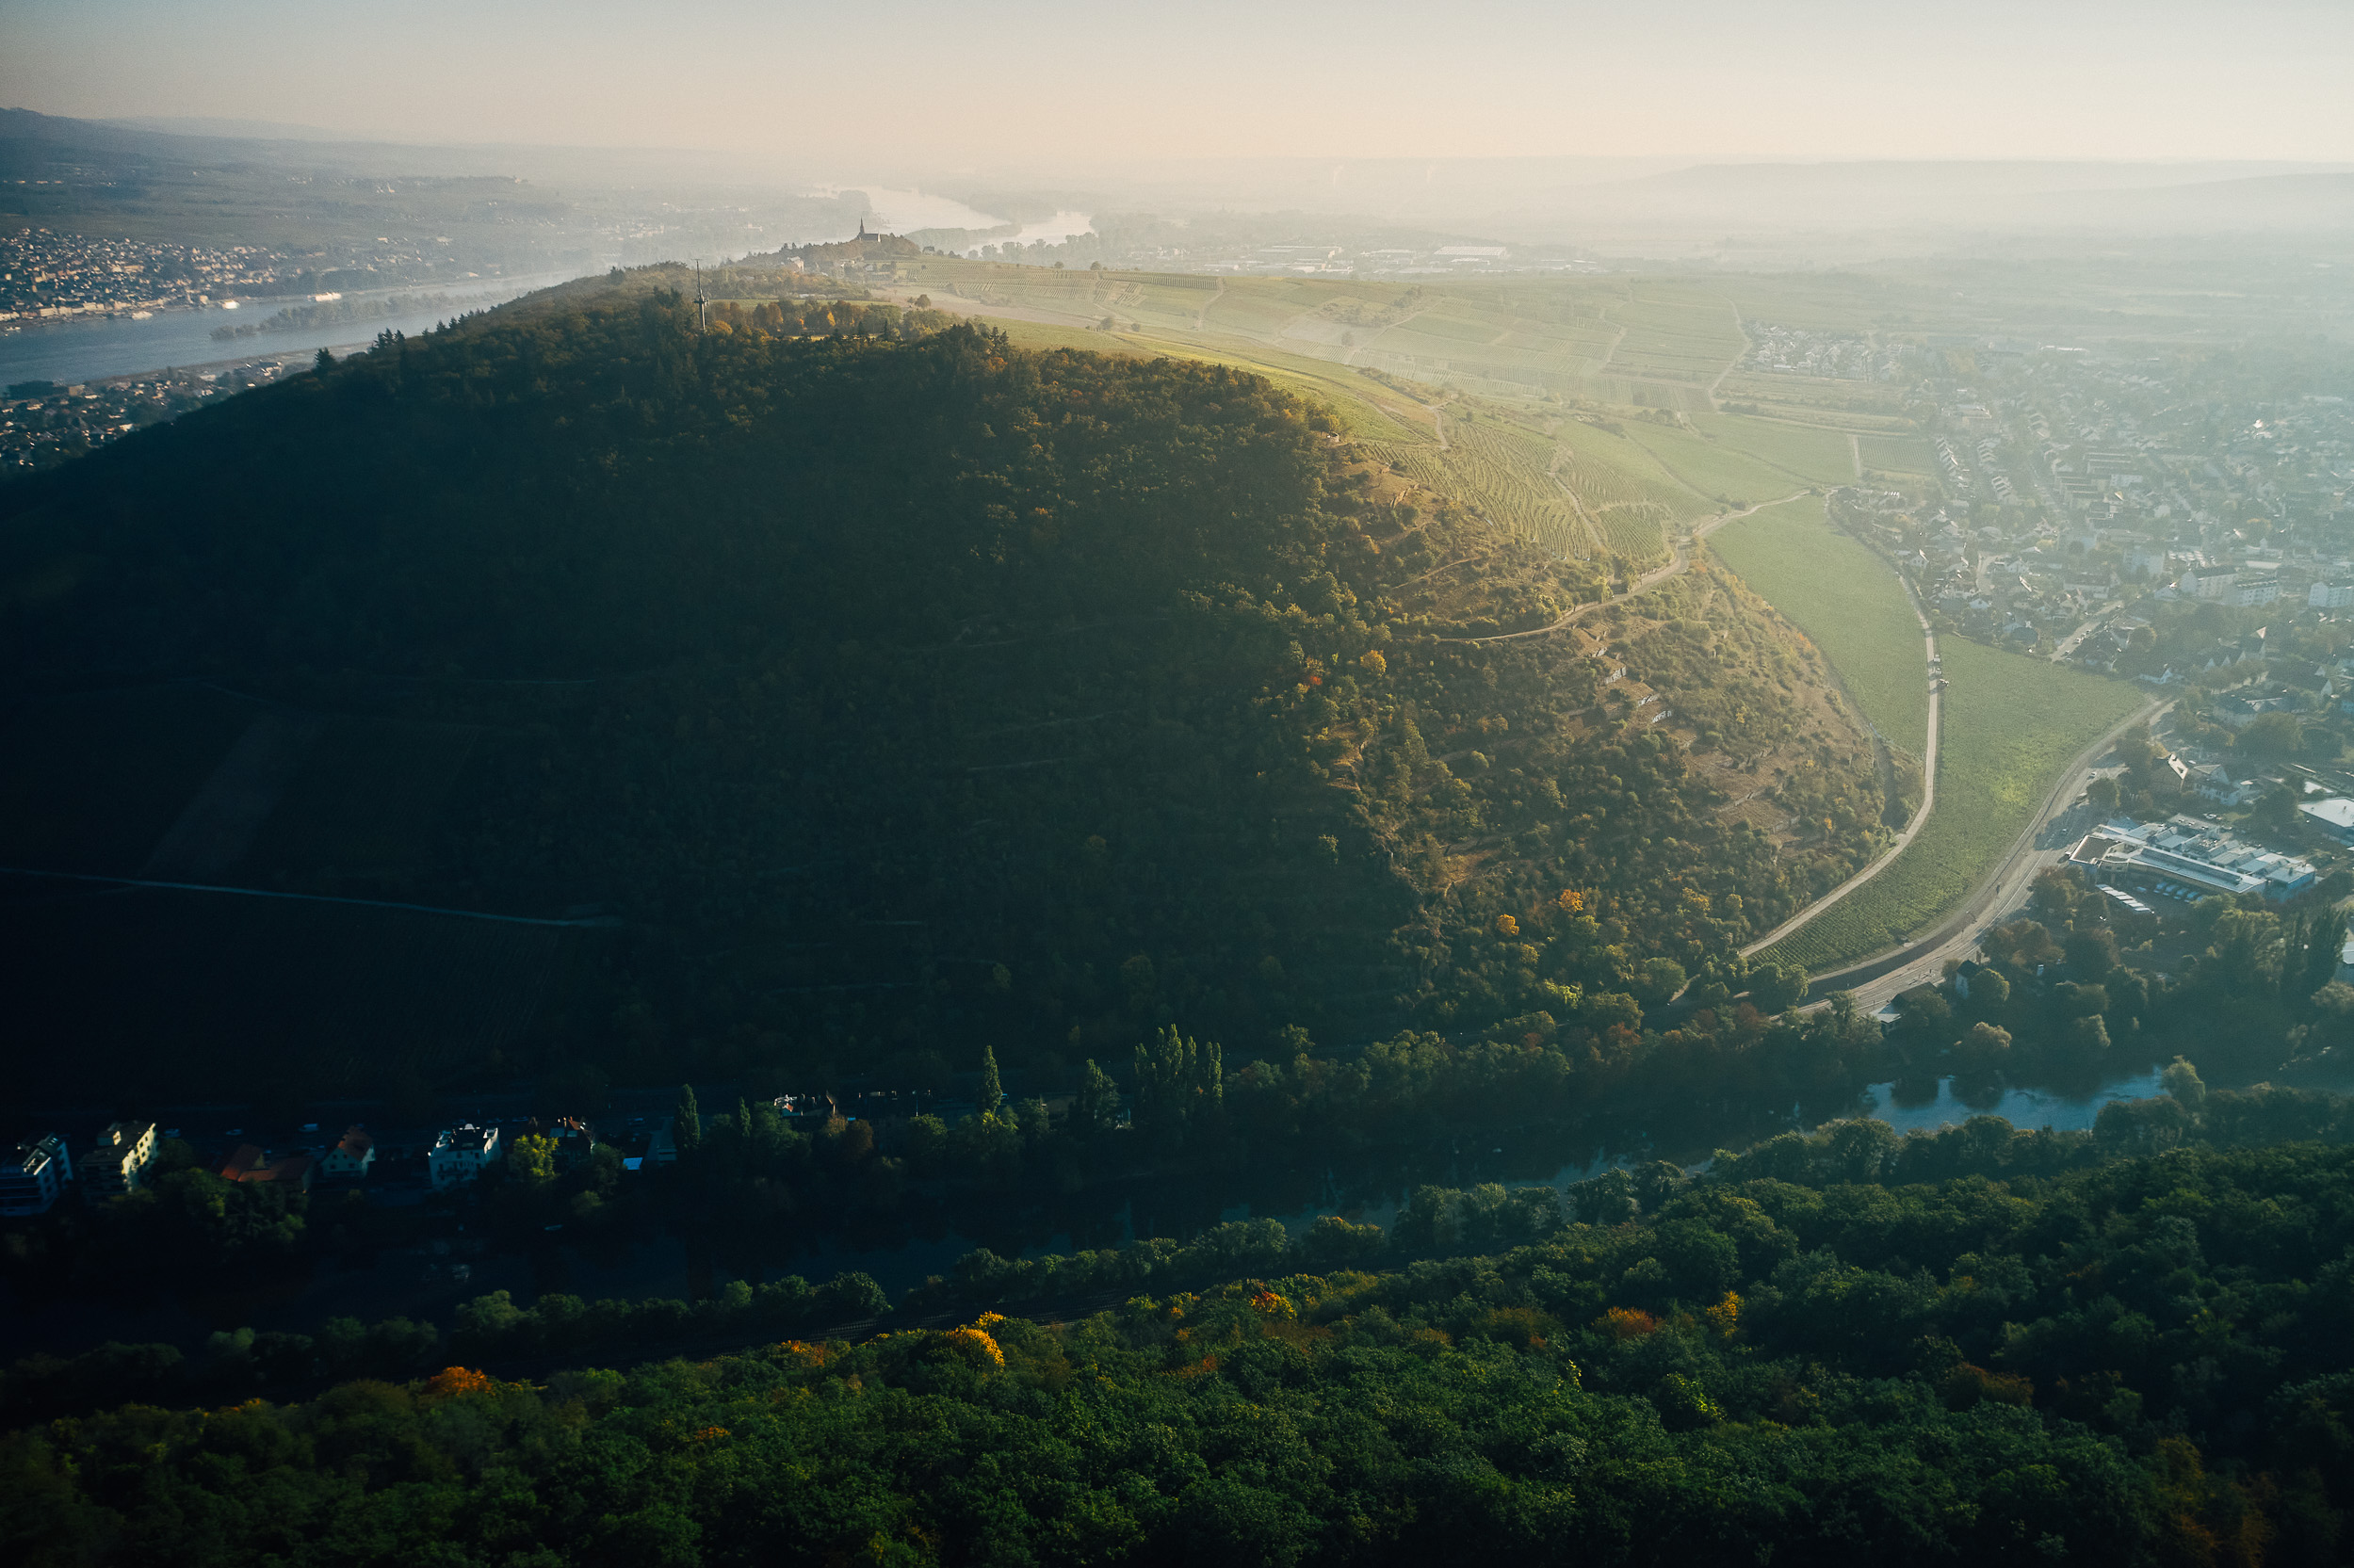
[[433, 1261], [96, 349]]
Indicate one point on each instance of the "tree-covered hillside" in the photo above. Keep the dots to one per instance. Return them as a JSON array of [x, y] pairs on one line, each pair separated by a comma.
[[897, 689]]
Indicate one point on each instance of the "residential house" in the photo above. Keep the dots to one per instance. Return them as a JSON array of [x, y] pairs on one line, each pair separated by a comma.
[[2240, 709], [350, 1159], [252, 1163], [2214, 781], [460, 1153], [111, 1167], [575, 1143], [35, 1175]]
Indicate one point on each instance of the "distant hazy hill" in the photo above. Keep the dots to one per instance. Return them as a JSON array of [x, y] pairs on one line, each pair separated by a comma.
[[895, 695], [252, 184]]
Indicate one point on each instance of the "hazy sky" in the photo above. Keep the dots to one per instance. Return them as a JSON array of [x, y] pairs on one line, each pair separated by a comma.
[[1072, 84]]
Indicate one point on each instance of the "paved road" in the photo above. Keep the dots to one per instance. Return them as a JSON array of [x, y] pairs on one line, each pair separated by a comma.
[[1877, 981], [2068, 643], [1920, 818]]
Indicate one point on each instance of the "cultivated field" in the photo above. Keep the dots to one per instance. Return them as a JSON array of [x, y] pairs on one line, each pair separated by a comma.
[[1889, 454], [1847, 600], [2011, 724], [1550, 389]]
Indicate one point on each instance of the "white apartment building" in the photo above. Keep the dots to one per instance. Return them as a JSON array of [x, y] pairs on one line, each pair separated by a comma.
[[460, 1153]]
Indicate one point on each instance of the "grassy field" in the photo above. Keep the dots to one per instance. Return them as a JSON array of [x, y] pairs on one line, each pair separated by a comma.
[[1041, 334], [1806, 452], [2011, 724], [1724, 474], [1898, 454], [1846, 599]]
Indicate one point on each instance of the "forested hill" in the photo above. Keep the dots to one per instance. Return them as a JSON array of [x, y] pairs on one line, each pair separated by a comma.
[[900, 689]]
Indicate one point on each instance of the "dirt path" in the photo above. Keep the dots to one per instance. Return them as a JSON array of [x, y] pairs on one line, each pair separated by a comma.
[[1743, 327], [1680, 563], [1912, 829], [1876, 980], [1855, 450], [1350, 358], [1201, 316], [1577, 503], [1608, 354]]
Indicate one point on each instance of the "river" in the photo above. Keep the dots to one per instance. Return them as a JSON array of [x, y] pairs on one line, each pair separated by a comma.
[[900, 1249], [90, 351], [900, 212]]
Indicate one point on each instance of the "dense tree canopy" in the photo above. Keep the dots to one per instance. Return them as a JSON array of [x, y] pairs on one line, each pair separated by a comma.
[[2142, 1361]]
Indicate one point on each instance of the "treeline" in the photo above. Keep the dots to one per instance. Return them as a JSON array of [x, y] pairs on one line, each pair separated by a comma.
[[2141, 1361], [2073, 987], [826, 318], [1434, 1222], [752, 1169], [243, 1364]]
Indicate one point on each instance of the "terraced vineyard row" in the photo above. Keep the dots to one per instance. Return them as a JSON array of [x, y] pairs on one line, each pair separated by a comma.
[[1501, 480], [1636, 531], [1528, 501]]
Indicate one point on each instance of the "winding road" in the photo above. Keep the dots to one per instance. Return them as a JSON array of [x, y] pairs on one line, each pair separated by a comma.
[[1878, 980], [1920, 818]]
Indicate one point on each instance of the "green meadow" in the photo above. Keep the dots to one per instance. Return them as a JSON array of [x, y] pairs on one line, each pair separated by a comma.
[[1845, 598], [2011, 725]]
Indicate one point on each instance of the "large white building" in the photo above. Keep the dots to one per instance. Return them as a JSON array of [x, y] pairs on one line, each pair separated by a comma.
[[34, 1175], [460, 1153], [114, 1164], [2188, 858]]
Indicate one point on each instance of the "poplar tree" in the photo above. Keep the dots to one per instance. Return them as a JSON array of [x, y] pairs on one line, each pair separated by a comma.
[[1098, 1107], [992, 1088]]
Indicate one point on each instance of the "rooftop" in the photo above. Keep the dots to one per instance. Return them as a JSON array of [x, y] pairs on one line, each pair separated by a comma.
[[2338, 812]]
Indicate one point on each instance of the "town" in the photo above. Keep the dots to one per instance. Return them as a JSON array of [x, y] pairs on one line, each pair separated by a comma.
[[45, 275], [42, 423]]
